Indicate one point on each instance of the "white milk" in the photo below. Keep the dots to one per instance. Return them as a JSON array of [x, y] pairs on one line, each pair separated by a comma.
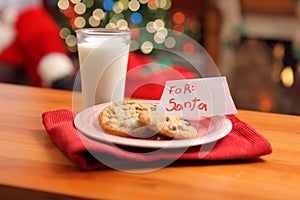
[[103, 66]]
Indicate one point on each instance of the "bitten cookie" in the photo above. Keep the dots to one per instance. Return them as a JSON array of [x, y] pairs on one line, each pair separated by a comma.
[[168, 125], [121, 119]]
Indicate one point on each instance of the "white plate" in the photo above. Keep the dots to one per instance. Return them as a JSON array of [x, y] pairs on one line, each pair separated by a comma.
[[209, 129]]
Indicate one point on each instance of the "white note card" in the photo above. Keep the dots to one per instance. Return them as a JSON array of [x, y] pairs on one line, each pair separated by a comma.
[[197, 97]]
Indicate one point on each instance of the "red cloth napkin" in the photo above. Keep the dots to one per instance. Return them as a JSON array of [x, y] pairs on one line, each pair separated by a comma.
[[243, 142]]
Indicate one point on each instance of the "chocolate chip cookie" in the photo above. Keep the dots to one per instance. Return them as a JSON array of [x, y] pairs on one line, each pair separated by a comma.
[[168, 125], [121, 119]]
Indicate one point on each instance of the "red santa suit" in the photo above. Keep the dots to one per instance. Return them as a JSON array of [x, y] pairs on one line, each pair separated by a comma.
[[37, 48]]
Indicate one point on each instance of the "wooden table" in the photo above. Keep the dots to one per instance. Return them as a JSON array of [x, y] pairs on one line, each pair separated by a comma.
[[32, 167]]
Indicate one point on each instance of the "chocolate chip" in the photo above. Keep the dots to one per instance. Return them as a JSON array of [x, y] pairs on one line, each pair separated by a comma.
[[167, 119], [174, 128], [187, 123]]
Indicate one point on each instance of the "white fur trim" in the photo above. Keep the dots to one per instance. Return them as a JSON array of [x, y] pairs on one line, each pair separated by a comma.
[[54, 66]]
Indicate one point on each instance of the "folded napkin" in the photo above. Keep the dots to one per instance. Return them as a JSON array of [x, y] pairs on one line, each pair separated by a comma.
[[243, 142]]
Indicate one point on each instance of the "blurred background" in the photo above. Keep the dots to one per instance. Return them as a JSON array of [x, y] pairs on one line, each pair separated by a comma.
[[254, 43]]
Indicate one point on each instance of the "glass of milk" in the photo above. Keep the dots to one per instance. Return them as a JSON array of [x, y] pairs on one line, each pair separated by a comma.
[[103, 58]]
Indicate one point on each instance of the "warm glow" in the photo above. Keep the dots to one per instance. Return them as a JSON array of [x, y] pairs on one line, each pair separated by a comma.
[[122, 24], [278, 50], [118, 7], [88, 3], [80, 8], [71, 41], [147, 47], [287, 76], [75, 1], [265, 105], [178, 28], [98, 14], [170, 42], [79, 22], [152, 4], [94, 21], [111, 26], [134, 5], [178, 18], [143, 1], [151, 27], [159, 23], [63, 4], [64, 32], [188, 48]]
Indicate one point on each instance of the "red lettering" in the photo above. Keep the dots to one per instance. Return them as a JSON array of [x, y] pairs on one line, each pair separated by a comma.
[[191, 105], [187, 89]]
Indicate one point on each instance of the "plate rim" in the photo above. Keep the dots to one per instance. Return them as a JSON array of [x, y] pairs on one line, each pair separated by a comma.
[[143, 143]]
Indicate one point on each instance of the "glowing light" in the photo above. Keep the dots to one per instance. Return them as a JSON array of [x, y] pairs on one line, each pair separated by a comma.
[[162, 32], [158, 39], [98, 14], [80, 8], [71, 41], [162, 3], [265, 105], [178, 18], [94, 21], [118, 7], [134, 5], [88, 3], [79, 22], [188, 48], [116, 17], [64, 32], [278, 50], [160, 35], [147, 47], [178, 29], [136, 18], [287, 76], [152, 4], [168, 5], [125, 4], [111, 26], [108, 5], [122, 24], [63, 4], [143, 1], [75, 1], [170, 42], [151, 27], [159, 23]]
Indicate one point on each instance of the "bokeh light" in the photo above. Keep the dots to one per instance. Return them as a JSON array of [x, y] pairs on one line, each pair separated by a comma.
[[108, 5], [188, 48], [178, 18], [147, 47], [118, 7], [134, 5], [136, 18], [79, 22], [64, 32], [94, 22], [80, 8], [170, 42], [287, 76], [63, 4]]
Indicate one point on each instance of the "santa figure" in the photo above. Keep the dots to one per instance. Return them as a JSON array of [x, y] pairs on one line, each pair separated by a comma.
[[30, 43]]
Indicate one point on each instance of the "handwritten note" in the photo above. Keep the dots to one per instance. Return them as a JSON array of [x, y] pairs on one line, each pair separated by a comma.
[[197, 97]]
